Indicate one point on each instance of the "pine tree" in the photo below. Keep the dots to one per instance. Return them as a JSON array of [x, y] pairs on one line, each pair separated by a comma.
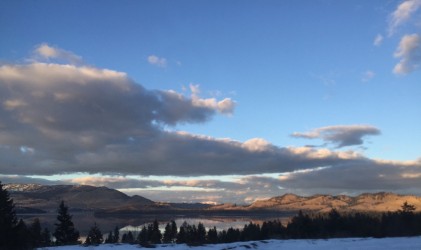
[[155, 234], [212, 236], [23, 239], [167, 234], [201, 233], [36, 233], [109, 238], [116, 235], [46, 238], [182, 233], [94, 236], [8, 221], [128, 238], [65, 232], [143, 236], [407, 208]]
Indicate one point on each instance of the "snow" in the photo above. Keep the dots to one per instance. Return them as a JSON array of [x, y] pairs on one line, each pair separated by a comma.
[[348, 243]]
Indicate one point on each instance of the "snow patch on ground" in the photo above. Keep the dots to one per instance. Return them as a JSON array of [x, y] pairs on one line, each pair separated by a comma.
[[400, 243]]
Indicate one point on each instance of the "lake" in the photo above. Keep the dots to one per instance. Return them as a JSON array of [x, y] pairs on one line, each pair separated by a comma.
[[83, 221]]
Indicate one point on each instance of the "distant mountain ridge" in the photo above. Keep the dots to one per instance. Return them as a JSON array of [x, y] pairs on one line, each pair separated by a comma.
[[34, 197], [77, 197], [374, 202]]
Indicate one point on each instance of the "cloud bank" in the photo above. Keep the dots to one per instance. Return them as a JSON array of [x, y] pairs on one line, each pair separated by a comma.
[[66, 118], [61, 118]]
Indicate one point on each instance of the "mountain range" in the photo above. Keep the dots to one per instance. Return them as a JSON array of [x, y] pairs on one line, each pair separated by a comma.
[[34, 198]]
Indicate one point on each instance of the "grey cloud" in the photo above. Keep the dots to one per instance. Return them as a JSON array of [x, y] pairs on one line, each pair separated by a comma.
[[187, 155], [341, 135], [16, 179], [57, 119], [59, 111], [369, 176]]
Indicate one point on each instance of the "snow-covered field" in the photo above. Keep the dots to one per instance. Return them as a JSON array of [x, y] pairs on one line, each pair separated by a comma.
[[349, 244]]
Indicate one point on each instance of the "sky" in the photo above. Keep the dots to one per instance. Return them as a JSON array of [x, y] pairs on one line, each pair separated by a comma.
[[212, 101]]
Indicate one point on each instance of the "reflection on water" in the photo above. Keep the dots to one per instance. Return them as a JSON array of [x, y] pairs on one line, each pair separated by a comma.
[[83, 221], [221, 223]]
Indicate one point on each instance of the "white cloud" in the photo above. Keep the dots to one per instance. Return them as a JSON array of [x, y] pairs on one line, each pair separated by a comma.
[[225, 106], [48, 52], [378, 40], [341, 135], [157, 61], [409, 52], [402, 14], [257, 145]]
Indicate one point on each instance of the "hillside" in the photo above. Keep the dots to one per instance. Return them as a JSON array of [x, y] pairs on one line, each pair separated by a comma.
[[377, 202], [32, 198], [86, 198]]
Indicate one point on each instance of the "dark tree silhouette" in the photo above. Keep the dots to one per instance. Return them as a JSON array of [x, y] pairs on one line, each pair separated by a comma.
[[154, 233], [35, 232], [182, 236], [127, 238], [10, 229], [212, 236], [170, 232], [46, 238], [407, 208], [94, 236], [201, 233], [116, 235], [113, 237], [143, 236], [65, 232]]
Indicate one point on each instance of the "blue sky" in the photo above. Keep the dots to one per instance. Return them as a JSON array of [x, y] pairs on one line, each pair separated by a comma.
[[322, 77]]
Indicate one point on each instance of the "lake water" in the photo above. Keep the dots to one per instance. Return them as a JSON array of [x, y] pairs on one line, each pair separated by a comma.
[[83, 221]]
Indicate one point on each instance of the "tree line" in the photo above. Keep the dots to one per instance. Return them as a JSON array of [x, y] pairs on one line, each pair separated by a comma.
[[15, 234]]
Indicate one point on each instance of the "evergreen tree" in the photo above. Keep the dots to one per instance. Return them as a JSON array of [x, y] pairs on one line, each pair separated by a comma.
[[212, 236], [124, 238], [13, 234], [143, 236], [201, 233], [113, 237], [36, 233], [46, 238], [182, 233], [128, 238], [407, 208], [94, 236], [168, 234], [65, 232], [116, 235], [110, 238], [155, 233], [8, 220]]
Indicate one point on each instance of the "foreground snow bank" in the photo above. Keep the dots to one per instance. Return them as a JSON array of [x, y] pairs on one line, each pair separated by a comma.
[[350, 243]]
